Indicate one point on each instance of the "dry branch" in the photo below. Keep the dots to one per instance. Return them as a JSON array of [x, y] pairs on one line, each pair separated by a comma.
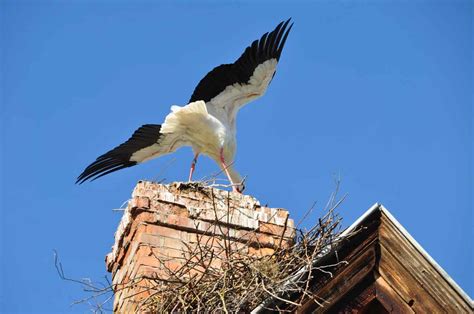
[[215, 274], [222, 278]]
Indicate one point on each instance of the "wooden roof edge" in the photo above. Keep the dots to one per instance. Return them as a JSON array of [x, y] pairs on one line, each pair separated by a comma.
[[356, 224], [368, 214], [346, 234], [379, 207]]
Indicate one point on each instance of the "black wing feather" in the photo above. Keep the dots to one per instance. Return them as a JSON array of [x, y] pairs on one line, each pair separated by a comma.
[[119, 157], [268, 47]]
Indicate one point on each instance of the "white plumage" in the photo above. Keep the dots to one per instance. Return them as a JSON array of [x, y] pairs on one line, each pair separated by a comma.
[[208, 122], [207, 133]]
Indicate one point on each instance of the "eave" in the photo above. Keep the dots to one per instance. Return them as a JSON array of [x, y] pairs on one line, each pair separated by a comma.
[[387, 269]]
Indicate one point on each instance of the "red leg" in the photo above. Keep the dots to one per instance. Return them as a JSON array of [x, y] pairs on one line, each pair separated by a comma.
[[193, 167], [225, 167]]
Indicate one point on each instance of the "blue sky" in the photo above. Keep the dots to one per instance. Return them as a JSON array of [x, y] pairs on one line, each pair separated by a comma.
[[380, 93]]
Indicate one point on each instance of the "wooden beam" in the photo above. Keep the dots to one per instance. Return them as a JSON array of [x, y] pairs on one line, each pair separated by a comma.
[[414, 278]]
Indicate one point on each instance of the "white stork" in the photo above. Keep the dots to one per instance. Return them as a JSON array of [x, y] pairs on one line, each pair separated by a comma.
[[207, 123]]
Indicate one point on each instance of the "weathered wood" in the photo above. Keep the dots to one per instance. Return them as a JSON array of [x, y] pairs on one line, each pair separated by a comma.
[[361, 255], [358, 299], [390, 299], [386, 272], [413, 276], [345, 280]]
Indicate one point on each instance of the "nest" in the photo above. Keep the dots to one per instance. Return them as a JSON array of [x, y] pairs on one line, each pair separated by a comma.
[[226, 279]]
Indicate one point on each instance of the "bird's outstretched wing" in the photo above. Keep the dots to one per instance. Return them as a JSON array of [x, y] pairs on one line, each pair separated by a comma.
[[230, 86], [152, 140], [146, 142]]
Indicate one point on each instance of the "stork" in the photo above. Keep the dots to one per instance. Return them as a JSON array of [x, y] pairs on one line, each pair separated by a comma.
[[208, 122]]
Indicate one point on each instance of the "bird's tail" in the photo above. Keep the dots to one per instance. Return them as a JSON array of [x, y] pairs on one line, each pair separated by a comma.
[[182, 117]]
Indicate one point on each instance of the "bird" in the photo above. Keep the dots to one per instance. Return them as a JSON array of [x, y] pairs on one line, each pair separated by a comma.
[[208, 122]]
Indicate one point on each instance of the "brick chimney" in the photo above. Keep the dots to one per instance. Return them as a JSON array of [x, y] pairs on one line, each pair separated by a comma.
[[163, 221]]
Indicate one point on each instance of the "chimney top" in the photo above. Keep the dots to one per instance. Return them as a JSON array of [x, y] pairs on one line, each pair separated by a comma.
[[162, 220]]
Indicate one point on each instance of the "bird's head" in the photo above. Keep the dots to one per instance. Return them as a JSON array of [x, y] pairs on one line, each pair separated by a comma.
[[237, 181], [240, 187]]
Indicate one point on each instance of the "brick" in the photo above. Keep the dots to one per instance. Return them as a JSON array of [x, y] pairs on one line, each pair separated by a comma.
[[140, 202], [173, 265], [170, 217], [261, 251], [266, 210], [148, 239], [168, 253], [163, 231], [148, 271], [271, 229], [276, 230], [173, 243], [282, 213]]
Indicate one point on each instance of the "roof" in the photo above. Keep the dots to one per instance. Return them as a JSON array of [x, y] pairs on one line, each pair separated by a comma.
[[387, 268]]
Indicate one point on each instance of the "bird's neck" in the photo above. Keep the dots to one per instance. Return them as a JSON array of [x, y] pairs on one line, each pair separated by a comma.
[[235, 176]]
